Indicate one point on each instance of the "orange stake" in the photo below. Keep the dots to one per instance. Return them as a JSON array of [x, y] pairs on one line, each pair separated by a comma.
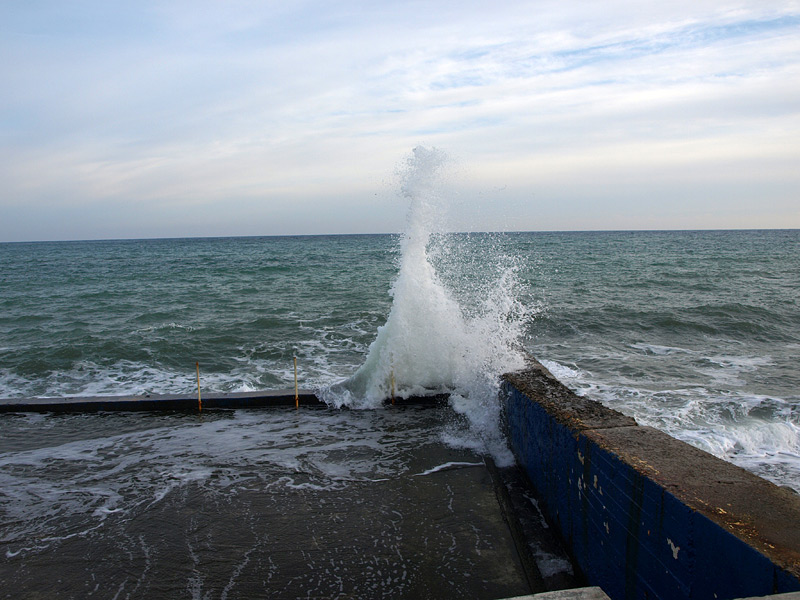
[[199, 400], [296, 395]]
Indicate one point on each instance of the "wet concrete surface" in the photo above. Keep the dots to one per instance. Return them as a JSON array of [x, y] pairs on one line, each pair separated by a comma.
[[437, 528]]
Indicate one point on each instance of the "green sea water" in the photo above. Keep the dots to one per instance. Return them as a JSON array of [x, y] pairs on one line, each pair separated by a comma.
[[128, 317], [697, 333]]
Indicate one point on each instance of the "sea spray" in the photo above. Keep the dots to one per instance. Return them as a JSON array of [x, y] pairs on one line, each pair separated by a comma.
[[438, 339]]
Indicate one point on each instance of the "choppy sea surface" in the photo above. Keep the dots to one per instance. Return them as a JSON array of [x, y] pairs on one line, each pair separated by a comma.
[[696, 332]]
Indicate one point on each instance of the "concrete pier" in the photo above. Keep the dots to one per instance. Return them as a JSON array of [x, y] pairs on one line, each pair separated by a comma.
[[449, 524], [645, 515], [442, 526], [625, 508]]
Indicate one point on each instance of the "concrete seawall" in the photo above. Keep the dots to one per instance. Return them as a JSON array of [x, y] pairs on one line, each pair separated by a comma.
[[645, 515], [184, 402], [158, 402]]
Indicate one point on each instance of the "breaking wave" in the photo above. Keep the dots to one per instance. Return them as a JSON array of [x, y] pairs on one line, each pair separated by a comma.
[[437, 338]]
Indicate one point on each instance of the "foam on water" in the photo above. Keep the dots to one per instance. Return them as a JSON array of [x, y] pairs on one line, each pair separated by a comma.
[[79, 471], [431, 341], [757, 432], [324, 352]]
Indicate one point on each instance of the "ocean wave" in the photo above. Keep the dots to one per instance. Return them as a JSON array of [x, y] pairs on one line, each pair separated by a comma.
[[760, 433]]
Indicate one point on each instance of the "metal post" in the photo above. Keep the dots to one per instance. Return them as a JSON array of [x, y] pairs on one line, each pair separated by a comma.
[[199, 399], [296, 395]]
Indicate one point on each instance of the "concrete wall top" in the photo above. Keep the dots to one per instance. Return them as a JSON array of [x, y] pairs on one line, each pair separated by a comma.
[[561, 403], [183, 402], [159, 402]]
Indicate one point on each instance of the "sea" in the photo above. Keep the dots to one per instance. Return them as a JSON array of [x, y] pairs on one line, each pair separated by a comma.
[[696, 333]]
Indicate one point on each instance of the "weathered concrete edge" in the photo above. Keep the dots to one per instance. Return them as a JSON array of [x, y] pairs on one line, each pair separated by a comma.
[[183, 402], [637, 507], [159, 402], [587, 593], [529, 566]]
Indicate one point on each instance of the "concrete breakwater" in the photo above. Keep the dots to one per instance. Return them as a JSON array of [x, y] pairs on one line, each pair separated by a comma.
[[645, 515], [263, 503], [184, 402]]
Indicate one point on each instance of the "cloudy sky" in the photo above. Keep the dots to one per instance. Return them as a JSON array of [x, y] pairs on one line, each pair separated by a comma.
[[162, 119]]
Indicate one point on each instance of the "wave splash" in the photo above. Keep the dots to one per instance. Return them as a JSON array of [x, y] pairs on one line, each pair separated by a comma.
[[437, 339]]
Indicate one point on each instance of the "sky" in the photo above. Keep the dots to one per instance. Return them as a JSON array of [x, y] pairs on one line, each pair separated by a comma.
[[177, 119]]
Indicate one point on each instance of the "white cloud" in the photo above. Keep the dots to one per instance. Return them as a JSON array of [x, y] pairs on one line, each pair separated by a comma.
[[184, 104]]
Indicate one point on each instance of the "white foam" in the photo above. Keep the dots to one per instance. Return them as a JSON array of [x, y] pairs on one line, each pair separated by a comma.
[[110, 475], [559, 371], [759, 433], [659, 350], [431, 341], [447, 466]]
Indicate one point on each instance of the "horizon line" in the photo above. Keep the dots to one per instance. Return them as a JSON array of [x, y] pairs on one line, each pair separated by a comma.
[[313, 235]]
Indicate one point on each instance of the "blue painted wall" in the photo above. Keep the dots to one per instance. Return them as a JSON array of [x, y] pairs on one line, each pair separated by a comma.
[[629, 534]]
